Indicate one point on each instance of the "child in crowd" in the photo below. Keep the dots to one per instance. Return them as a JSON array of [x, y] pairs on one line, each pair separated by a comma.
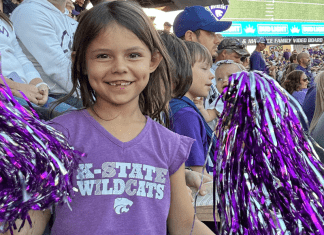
[[132, 180], [224, 69], [186, 118]]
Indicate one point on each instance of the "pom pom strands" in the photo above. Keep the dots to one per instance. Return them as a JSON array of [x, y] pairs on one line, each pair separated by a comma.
[[36, 163], [267, 177]]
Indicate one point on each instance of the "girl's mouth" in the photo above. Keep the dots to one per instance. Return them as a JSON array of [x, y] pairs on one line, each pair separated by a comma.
[[119, 83]]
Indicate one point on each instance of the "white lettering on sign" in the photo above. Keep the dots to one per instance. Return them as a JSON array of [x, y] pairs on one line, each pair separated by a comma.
[[313, 29], [273, 29], [234, 29], [218, 6]]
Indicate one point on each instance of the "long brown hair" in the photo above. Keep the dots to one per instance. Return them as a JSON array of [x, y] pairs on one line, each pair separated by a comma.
[[4, 17], [154, 98], [292, 82]]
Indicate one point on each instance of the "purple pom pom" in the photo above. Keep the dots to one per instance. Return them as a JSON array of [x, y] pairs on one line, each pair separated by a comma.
[[36, 163], [268, 178]]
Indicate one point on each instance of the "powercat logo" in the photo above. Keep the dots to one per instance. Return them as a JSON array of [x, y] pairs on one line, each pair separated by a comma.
[[218, 11]]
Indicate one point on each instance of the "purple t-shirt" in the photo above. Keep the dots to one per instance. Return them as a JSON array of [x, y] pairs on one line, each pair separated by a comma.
[[189, 123], [126, 186]]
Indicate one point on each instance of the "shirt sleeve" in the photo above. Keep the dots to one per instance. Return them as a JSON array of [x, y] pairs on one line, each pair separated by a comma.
[[28, 66], [188, 124], [181, 154], [36, 32]]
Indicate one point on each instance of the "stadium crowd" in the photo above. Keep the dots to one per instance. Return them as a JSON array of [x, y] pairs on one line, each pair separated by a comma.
[[38, 50]]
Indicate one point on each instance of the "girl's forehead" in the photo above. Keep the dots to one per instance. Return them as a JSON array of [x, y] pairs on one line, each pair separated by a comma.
[[115, 36]]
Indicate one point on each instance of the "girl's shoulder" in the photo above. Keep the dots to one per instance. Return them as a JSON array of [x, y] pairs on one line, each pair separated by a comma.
[[69, 120]]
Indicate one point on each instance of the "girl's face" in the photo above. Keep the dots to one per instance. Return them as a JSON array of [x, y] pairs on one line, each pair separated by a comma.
[[201, 80], [303, 81], [118, 65]]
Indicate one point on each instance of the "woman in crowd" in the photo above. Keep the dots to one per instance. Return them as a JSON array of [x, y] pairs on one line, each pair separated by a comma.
[[18, 71], [296, 81]]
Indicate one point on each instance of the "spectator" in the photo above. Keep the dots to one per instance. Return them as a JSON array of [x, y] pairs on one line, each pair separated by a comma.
[[304, 61], [46, 39], [293, 59], [167, 27], [18, 68], [197, 24], [286, 54], [70, 7], [290, 68], [7, 6], [231, 49], [296, 81], [256, 60], [78, 6], [245, 61]]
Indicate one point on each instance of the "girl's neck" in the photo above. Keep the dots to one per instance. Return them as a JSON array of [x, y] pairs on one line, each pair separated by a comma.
[[117, 114]]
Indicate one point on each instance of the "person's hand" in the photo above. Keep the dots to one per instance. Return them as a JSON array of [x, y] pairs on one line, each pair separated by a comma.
[[193, 179], [30, 91], [199, 102], [43, 90]]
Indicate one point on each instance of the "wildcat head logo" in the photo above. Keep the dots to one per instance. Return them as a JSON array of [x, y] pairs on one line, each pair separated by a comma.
[[122, 205], [249, 29], [218, 11], [295, 29]]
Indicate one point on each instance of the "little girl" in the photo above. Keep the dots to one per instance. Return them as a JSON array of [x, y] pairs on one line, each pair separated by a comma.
[[132, 180], [186, 118]]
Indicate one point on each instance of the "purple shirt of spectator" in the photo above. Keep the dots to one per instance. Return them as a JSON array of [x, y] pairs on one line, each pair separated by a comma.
[[189, 123], [257, 62], [309, 103], [123, 187], [286, 55]]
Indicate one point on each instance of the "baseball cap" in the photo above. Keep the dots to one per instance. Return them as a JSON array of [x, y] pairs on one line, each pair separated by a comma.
[[235, 45], [167, 24], [198, 17], [261, 40]]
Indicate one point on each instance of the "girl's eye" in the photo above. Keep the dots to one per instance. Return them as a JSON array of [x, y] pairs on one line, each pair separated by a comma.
[[134, 55], [102, 56]]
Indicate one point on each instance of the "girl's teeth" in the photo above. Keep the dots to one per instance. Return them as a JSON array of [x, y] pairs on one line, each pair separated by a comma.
[[122, 84]]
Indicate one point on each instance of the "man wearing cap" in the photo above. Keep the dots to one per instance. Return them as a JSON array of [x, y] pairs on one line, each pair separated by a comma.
[[167, 27], [198, 24], [231, 49], [256, 60]]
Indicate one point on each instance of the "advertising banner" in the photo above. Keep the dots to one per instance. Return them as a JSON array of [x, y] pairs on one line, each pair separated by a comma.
[[283, 40], [274, 29]]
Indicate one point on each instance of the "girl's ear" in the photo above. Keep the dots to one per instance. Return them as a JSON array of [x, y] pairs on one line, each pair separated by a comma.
[[155, 61]]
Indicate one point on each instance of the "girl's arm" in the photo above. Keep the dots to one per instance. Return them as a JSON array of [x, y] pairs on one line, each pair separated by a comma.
[[208, 114], [181, 212], [39, 221]]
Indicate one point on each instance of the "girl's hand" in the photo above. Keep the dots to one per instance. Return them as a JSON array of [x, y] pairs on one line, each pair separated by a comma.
[[199, 102]]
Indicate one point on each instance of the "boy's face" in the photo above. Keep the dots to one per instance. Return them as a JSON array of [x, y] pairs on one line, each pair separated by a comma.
[[201, 80], [223, 72]]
